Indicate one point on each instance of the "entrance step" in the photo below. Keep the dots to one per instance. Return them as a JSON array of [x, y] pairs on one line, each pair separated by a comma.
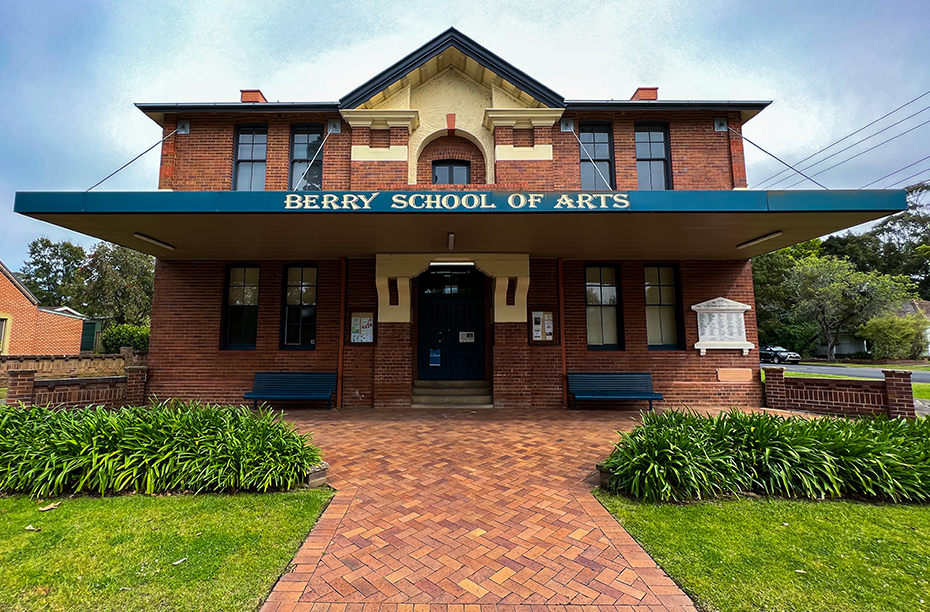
[[452, 394], [449, 384]]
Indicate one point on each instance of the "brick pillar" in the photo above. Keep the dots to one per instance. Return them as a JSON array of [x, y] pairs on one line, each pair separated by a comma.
[[513, 386], [775, 395], [393, 384], [900, 394], [22, 383], [136, 377]]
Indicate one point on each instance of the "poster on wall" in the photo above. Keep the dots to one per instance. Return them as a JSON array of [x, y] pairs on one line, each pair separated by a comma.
[[362, 329], [542, 326]]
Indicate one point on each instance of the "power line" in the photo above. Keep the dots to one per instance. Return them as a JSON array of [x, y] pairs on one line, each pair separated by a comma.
[[858, 142], [133, 159], [863, 152], [907, 178], [895, 172], [776, 157], [845, 137]]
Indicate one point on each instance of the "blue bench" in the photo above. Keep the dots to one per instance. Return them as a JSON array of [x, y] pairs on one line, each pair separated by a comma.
[[612, 386], [292, 386]]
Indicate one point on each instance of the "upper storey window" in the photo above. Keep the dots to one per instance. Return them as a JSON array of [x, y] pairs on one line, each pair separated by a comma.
[[306, 147], [597, 160], [251, 152], [451, 172], [653, 163]]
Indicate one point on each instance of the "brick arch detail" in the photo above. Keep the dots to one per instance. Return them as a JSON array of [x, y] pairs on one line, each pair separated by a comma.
[[451, 147]]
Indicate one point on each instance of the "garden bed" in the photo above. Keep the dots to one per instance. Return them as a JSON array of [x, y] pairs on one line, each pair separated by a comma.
[[171, 446], [681, 456]]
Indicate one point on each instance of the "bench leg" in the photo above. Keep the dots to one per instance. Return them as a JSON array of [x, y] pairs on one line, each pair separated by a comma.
[[255, 405], [651, 409], [329, 403], [575, 404]]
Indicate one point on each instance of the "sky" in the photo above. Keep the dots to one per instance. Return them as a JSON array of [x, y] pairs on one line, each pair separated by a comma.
[[71, 72]]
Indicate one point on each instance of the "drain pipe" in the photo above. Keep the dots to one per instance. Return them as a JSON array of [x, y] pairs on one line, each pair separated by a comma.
[[342, 329], [562, 335]]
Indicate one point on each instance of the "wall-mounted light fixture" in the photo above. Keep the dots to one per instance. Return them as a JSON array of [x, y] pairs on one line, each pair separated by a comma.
[[154, 241], [756, 241], [451, 241]]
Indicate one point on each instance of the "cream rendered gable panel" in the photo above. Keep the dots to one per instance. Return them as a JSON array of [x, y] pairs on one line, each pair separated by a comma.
[[451, 91]]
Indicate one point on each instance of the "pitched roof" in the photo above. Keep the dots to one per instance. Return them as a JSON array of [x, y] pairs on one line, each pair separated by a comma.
[[18, 284], [452, 38]]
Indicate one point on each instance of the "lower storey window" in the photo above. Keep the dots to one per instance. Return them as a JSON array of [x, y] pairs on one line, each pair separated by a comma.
[[299, 318], [241, 308], [662, 307], [601, 307]]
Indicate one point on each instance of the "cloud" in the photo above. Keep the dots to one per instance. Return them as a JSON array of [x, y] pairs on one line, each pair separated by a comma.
[[72, 71]]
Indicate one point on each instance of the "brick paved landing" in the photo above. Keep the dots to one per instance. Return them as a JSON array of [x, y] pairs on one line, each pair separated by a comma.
[[469, 512]]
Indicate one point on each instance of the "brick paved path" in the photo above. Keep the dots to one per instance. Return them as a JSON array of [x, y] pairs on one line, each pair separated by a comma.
[[483, 511]]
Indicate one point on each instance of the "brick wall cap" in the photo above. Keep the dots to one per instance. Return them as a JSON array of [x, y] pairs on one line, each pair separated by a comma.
[[83, 382], [22, 372], [908, 372], [136, 368], [773, 369]]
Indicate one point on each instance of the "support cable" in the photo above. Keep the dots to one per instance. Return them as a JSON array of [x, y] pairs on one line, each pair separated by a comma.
[[310, 165], [133, 159], [868, 125], [591, 159], [908, 178], [776, 157]]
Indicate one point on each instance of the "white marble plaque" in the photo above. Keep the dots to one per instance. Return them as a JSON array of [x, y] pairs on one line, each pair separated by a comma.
[[721, 325]]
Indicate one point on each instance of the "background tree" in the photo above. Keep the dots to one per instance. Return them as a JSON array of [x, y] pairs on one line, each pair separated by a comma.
[[117, 285], [776, 322], [837, 297], [49, 272]]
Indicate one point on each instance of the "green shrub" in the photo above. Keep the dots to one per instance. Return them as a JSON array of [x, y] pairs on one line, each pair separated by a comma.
[[116, 337], [896, 337], [172, 446], [679, 456]]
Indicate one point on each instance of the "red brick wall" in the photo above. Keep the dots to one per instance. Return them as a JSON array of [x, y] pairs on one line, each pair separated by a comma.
[[58, 334], [203, 159], [185, 358], [451, 147], [890, 397], [33, 331], [22, 314]]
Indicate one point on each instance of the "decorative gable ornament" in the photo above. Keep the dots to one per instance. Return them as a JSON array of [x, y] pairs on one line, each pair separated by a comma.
[[721, 325]]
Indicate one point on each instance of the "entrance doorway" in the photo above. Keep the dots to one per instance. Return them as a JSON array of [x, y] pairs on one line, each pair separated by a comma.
[[451, 324]]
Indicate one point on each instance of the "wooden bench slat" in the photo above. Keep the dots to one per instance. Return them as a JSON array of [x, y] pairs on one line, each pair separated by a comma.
[[612, 386], [292, 386]]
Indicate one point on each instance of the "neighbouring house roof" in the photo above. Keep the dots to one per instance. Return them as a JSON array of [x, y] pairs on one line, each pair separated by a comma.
[[63, 311], [18, 284], [913, 306]]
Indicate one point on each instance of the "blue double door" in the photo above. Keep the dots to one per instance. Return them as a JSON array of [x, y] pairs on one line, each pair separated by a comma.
[[450, 331]]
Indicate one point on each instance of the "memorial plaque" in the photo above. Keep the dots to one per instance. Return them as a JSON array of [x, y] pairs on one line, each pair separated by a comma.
[[721, 325]]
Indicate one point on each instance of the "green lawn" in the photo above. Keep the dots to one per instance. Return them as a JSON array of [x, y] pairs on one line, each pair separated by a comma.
[[2, 393], [118, 553], [788, 556], [880, 366]]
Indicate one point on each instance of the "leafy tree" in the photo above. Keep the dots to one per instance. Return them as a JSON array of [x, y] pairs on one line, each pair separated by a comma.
[[777, 324], [833, 294], [117, 285], [49, 272], [897, 337]]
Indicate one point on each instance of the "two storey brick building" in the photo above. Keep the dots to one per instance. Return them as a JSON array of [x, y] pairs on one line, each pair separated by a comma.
[[453, 219]]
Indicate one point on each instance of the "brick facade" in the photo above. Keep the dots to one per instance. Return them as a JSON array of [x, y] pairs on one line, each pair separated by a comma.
[[186, 358], [32, 330], [186, 354]]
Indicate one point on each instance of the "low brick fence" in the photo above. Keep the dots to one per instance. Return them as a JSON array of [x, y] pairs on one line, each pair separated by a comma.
[[70, 366], [109, 391], [892, 397]]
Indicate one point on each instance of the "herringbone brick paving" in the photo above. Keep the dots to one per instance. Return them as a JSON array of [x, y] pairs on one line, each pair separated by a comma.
[[469, 511]]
